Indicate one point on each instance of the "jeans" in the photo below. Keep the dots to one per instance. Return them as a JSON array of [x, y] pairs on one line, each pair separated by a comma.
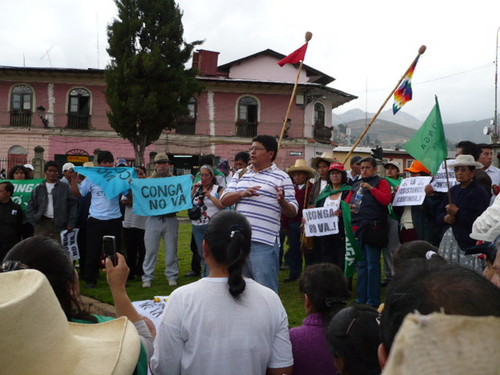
[[156, 228], [134, 244], [199, 233], [293, 256], [369, 275], [263, 264]]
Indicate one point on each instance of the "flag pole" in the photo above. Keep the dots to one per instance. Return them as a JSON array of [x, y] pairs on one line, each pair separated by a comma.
[[421, 50], [447, 181], [292, 97]]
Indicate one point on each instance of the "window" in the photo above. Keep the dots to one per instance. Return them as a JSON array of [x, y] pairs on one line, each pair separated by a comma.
[[21, 106], [187, 124], [79, 109], [319, 114], [248, 109]]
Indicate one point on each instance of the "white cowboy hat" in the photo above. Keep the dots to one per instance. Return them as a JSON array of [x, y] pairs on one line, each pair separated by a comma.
[[487, 226], [393, 163], [445, 344], [466, 161], [326, 156], [301, 166], [38, 339]]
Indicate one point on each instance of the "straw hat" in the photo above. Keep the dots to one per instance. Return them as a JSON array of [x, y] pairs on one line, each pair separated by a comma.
[[162, 157], [301, 166], [38, 339], [393, 163], [417, 167], [445, 344], [88, 164], [487, 226], [325, 156], [466, 161]]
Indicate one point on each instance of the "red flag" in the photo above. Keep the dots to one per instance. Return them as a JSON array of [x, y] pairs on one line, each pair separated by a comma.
[[295, 57]]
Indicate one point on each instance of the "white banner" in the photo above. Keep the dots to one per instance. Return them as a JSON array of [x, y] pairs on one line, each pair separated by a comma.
[[151, 308], [439, 183], [70, 243], [411, 192], [320, 221]]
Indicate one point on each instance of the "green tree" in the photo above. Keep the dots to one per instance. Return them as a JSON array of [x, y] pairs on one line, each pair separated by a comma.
[[148, 84]]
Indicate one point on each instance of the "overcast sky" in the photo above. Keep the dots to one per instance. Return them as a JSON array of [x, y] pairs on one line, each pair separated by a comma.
[[366, 45]]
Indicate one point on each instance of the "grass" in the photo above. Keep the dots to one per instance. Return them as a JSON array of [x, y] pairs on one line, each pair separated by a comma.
[[289, 293]]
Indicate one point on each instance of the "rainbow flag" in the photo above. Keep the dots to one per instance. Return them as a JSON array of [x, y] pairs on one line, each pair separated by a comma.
[[404, 92]]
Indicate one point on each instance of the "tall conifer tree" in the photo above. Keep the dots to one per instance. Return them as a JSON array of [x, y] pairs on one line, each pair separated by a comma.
[[148, 83]]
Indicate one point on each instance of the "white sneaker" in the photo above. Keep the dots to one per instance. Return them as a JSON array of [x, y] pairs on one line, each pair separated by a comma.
[[146, 284], [172, 282]]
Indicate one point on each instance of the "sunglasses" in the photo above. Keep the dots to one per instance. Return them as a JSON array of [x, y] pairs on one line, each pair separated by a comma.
[[12, 265]]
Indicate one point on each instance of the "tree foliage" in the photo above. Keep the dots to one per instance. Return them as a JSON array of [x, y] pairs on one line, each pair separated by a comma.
[[148, 83]]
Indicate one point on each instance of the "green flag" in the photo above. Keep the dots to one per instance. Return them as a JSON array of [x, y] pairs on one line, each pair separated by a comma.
[[23, 190], [352, 249], [428, 145]]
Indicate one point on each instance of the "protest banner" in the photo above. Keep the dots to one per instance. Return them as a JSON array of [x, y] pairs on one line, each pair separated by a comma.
[[320, 221], [352, 247], [160, 196], [23, 190], [113, 181], [70, 244], [411, 192], [439, 183]]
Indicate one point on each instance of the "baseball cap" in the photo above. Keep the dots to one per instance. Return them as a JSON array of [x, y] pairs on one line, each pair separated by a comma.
[[67, 167]]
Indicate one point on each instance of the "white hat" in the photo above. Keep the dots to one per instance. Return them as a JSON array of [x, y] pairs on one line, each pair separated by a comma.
[[466, 161], [29, 166], [38, 339], [325, 156], [394, 163], [487, 226], [445, 344], [67, 167]]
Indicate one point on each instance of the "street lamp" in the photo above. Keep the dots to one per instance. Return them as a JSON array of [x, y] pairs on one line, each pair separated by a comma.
[[41, 113]]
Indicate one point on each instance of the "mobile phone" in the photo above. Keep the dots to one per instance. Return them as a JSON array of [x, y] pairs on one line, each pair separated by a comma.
[[109, 248]]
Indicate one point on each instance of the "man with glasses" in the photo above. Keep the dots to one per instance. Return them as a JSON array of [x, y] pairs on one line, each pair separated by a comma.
[[165, 226], [12, 219], [262, 194]]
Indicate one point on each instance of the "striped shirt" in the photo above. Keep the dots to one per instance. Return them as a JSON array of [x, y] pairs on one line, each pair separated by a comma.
[[263, 211]]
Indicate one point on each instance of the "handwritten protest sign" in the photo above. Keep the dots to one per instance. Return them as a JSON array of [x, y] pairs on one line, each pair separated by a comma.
[[320, 221], [160, 196], [151, 308], [411, 191], [70, 244], [113, 181], [439, 182], [23, 190]]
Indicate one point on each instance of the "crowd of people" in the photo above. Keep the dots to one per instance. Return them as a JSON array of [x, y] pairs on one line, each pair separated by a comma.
[[440, 259]]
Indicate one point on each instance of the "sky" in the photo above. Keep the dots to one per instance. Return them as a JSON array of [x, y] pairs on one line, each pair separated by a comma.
[[365, 45]]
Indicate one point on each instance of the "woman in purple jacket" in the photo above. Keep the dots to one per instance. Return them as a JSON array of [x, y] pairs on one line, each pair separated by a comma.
[[325, 292]]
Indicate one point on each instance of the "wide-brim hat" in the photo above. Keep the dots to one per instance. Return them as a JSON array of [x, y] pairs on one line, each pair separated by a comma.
[[325, 156], [417, 167], [161, 157], [487, 226], [38, 339], [466, 161], [88, 164], [445, 344], [301, 166], [393, 163]]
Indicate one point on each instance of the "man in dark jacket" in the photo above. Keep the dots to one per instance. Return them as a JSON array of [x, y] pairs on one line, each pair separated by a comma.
[[11, 219], [52, 207]]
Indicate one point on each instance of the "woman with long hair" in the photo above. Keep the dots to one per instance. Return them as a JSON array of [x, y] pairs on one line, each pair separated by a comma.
[[206, 195], [224, 323]]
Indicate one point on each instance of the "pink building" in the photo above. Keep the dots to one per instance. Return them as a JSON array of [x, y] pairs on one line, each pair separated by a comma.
[[64, 111]]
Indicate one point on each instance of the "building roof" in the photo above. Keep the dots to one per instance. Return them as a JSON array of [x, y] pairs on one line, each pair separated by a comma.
[[315, 76]]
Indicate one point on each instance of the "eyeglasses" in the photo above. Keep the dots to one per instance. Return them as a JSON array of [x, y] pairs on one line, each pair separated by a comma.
[[256, 149]]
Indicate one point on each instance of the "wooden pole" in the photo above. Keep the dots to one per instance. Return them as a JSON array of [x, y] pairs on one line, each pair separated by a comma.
[[292, 97], [421, 50], [447, 181]]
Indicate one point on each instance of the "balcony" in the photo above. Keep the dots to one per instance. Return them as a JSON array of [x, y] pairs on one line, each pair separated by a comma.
[[322, 134], [186, 126], [246, 129], [20, 118], [77, 121]]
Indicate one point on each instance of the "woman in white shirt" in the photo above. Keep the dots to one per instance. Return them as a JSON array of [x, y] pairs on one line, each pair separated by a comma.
[[224, 323], [206, 195]]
